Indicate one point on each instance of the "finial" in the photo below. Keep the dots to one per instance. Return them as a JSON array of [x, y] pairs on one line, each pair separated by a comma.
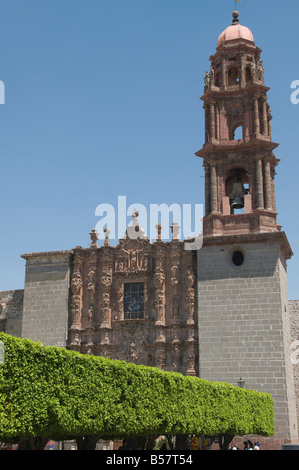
[[94, 238], [175, 228], [106, 231], [159, 229], [235, 17]]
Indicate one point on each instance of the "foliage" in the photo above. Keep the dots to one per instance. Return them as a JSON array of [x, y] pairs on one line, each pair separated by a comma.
[[60, 394]]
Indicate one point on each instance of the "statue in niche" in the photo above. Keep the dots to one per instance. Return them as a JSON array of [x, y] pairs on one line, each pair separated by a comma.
[[90, 315], [175, 309], [174, 277], [120, 300], [106, 339], [145, 263], [190, 278], [134, 262], [77, 338], [161, 337]]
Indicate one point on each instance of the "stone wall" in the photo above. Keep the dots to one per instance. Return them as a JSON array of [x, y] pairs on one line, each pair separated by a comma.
[[294, 320], [243, 321], [11, 311], [46, 297]]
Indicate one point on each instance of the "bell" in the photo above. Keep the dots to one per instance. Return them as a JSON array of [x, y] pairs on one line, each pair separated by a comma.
[[237, 196], [237, 203]]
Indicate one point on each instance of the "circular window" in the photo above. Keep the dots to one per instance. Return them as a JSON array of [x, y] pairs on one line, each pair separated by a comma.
[[238, 258]]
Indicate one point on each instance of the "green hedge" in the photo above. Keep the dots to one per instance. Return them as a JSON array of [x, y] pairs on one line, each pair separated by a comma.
[[53, 392]]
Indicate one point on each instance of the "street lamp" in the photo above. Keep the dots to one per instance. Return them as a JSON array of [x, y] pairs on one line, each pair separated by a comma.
[[241, 383]]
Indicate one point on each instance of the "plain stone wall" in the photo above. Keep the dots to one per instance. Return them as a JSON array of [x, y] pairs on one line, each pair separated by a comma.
[[46, 298], [294, 319], [243, 322]]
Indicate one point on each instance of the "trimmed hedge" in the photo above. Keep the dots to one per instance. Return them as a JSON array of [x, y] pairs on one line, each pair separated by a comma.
[[52, 392]]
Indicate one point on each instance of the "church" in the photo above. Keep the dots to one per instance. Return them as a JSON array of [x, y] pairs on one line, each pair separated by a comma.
[[221, 312]]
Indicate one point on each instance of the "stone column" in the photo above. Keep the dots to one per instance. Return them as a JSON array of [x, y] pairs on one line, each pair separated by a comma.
[[256, 115], [76, 291], [207, 189], [213, 188], [212, 121], [247, 119], [91, 289], [223, 69], [259, 194], [206, 108], [265, 117], [268, 193], [159, 282], [223, 129], [242, 70]]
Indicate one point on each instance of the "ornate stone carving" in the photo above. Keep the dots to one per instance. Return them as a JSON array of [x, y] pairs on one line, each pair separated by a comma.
[[175, 309], [106, 282], [174, 275], [191, 364], [90, 315], [97, 284], [260, 71], [160, 359], [106, 279], [76, 288], [161, 338], [133, 347], [106, 339], [190, 295]]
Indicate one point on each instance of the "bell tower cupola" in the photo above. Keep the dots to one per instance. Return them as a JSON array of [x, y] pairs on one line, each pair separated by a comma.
[[238, 150]]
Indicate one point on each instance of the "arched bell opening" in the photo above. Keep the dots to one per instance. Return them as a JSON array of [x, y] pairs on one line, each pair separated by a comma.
[[237, 132], [237, 187], [248, 74], [233, 76], [218, 81]]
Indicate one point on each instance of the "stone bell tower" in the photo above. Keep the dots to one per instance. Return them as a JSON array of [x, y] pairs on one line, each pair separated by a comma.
[[243, 320], [238, 151]]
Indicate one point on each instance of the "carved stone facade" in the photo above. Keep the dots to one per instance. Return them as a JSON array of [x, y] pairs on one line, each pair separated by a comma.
[[162, 331]]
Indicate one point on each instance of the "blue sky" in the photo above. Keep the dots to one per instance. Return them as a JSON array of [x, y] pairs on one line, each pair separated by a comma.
[[102, 99]]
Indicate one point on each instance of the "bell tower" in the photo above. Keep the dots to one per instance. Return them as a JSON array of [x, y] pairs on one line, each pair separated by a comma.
[[238, 151], [243, 318]]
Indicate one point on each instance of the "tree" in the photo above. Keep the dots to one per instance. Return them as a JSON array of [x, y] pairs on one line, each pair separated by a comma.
[[53, 393]]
